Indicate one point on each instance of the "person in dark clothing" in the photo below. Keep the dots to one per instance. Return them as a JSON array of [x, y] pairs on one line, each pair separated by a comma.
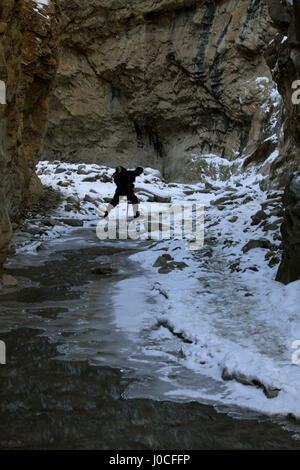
[[124, 179]]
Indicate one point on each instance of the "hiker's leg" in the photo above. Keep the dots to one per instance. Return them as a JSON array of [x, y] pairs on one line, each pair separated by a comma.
[[116, 199], [135, 203], [113, 203]]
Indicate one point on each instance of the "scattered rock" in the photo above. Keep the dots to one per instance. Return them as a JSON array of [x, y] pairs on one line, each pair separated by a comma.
[[9, 281], [166, 264], [274, 261], [235, 266], [211, 187], [233, 219], [171, 266], [273, 226], [258, 217], [178, 334], [274, 195], [251, 268], [260, 243], [226, 199], [271, 202], [34, 230], [88, 198], [59, 170], [179, 265], [247, 199], [270, 392], [72, 222], [158, 198], [190, 192], [160, 290], [49, 223], [91, 179], [105, 178], [82, 170], [73, 200], [213, 224], [269, 255], [162, 260], [277, 236], [277, 212], [104, 270]]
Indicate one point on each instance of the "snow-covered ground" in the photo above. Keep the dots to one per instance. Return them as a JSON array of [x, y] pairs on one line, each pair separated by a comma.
[[234, 319]]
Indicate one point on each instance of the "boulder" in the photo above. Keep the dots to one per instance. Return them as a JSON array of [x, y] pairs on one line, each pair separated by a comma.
[[72, 222], [104, 270], [269, 391], [260, 243], [9, 281], [258, 217], [162, 260]]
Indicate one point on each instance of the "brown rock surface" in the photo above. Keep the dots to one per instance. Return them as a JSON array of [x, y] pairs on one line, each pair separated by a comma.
[[155, 82], [283, 57], [9, 281], [28, 64]]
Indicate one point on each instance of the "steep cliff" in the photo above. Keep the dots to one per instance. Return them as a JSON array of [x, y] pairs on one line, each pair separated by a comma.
[[28, 64], [283, 56], [162, 83]]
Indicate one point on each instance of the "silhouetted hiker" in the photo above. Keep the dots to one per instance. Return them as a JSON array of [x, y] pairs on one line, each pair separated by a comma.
[[124, 180]]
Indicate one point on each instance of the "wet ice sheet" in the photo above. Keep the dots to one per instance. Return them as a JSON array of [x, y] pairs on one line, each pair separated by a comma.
[[243, 321]]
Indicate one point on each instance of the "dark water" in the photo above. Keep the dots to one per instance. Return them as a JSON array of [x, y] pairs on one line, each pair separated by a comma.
[[50, 399]]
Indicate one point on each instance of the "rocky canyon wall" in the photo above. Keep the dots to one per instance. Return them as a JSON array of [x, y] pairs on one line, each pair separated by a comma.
[[283, 57], [164, 83], [284, 60], [29, 33]]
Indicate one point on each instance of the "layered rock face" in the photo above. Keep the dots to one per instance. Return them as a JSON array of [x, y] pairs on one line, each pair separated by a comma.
[[29, 35], [162, 84], [289, 269], [283, 57]]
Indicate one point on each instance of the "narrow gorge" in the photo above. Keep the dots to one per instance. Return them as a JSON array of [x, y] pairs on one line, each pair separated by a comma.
[[150, 83], [140, 331]]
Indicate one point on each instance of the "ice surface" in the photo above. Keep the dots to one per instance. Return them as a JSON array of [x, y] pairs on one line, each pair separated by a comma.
[[243, 321]]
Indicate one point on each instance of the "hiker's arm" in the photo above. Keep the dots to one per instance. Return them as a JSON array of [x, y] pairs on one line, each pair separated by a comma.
[[138, 171]]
